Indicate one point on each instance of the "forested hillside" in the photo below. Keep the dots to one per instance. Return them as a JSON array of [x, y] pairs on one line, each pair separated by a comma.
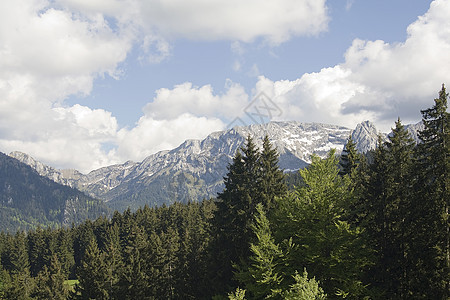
[[28, 200], [356, 226]]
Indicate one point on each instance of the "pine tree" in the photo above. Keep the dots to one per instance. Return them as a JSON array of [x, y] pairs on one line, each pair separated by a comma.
[[134, 282], [432, 189], [272, 178], [262, 277], [19, 286], [92, 275], [376, 220], [113, 260], [350, 158], [36, 246], [235, 208], [50, 282], [65, 251], [19, 255], [399, 148]]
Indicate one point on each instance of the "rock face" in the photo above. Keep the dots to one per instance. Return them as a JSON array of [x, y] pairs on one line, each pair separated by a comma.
[[195, 169], [365, 136]]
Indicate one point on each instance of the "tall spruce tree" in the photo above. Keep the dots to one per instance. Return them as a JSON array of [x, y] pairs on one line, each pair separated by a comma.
[[134, 282], [271, 176], [113, 261], [235, 207], [253, 177], [399, 148], [92, 274], [50, 282], [432, 189], [350, 158], [376, 219]]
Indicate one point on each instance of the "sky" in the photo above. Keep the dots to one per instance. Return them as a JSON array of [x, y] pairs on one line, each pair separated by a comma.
[[90, 83]]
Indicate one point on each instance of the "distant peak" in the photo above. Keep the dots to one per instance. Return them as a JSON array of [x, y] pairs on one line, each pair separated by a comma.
[[367, 124], [23, 157]]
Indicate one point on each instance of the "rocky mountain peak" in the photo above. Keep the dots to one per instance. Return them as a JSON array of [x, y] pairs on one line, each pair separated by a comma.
[[195, 169], [365, 136]]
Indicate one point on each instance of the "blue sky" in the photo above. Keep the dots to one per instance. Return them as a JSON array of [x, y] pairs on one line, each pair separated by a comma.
[[211, 62], [88, 83]]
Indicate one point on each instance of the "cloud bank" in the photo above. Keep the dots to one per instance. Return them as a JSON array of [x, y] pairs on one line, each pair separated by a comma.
[[51, 50], [377, 81]]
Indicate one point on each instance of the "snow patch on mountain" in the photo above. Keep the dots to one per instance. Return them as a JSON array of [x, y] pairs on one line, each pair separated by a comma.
[[195, 169]]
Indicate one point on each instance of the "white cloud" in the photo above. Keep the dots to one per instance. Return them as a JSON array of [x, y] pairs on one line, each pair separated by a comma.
[[197, 101], [56, 52], [151, 135], [155, 49], [183, 112], [47, 54], [68, 137], [274, 20], [50, 50], [378, 81]]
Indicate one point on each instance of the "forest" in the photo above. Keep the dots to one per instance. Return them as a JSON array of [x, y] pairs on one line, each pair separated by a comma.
[[353, 226]]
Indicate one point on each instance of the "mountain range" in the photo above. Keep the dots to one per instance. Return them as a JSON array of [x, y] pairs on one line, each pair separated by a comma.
[[194, 170], [28, 199]]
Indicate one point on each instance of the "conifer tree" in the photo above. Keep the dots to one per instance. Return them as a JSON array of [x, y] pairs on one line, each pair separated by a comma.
[[350, 158], [313, 218], [65, 251], [262, 278], [19, 255], [432, 189], [194, 242], [254, 177], [36, 246], [134, 282], [19, 285], [113, 260], [238, 294], [50, 282], [272, 178], [92, 275], [304, 288], [234, 215], [4, 281], [399, 148], [376, 219]]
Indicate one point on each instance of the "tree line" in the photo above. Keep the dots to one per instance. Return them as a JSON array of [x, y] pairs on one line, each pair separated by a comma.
[[372, 226]]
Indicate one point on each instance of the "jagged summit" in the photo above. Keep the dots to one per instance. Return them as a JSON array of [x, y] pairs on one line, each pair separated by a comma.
[[365, 135], [195, 169], [66, 176]]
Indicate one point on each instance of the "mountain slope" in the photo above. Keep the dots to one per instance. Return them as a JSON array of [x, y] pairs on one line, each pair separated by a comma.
[[195, 169], [28, 199]]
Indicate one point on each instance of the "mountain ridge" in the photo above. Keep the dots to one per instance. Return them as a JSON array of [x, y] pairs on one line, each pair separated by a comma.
[[28, 199], [194, 170]]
